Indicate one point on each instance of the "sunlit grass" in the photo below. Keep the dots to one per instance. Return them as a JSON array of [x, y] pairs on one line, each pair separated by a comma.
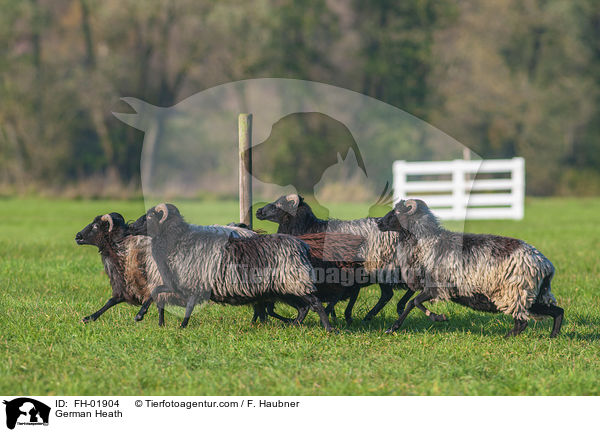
[[48, 284]]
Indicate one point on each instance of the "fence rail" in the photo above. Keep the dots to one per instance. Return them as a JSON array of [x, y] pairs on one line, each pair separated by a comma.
[[460, 195]]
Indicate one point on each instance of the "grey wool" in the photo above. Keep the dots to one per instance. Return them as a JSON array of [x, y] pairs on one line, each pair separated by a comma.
[[205, 265], [377, 254], [481, 271]]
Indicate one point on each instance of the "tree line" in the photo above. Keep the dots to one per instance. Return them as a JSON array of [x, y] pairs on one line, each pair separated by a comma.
[[504, 77]]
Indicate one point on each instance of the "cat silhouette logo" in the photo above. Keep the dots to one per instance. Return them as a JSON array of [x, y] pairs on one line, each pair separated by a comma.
[[26, 411]]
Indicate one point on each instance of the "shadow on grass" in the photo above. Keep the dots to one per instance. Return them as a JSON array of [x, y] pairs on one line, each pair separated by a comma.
[[590, 323], [490, 324], [419, 323], [458, 322]]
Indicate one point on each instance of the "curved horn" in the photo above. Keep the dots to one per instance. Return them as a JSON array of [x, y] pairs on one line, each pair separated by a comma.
[[294, 199], [108, 218], [412, 205], [162, 208]]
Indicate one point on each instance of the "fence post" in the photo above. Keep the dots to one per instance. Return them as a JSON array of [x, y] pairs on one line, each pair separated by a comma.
[[245, 168]]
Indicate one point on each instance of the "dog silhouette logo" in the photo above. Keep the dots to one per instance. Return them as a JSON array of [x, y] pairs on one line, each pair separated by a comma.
[[26, 411]]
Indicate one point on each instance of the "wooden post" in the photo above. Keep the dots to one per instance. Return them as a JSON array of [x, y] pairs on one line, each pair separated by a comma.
[[245, 168]]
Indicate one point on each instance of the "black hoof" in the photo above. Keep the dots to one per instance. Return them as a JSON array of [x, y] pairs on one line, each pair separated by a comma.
[[139, 317], [390, 331], [87, 319]]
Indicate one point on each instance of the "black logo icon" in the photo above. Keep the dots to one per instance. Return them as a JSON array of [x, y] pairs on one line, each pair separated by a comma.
[[27, 411]]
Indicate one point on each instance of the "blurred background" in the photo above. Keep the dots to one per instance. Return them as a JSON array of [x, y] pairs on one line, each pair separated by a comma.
[[505, 78]]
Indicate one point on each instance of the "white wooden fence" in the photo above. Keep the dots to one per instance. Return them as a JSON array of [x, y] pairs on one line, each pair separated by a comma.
[[463, 197]]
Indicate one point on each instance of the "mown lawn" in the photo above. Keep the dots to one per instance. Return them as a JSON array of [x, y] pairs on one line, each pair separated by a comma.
[[48, 283]]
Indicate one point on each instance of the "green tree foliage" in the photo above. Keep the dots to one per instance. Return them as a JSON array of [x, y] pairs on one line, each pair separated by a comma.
[[395, 55], [506, 78]]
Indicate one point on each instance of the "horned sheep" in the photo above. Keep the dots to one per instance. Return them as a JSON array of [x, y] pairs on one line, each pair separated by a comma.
[[481, 271], [128, 262], [202, 265], [378, 252]]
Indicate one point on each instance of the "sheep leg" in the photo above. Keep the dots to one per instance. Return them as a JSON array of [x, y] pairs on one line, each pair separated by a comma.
[[161, 315], [420, 298], [261, 310], [110, 303], [330, 310], [555, 312], [387, 292], [432, 316], [188, 310], [259, 313], [302, 312], [146, 305], [350, 306], [518, 328], [143, 309], [402, 303], [271, 312], [316, 305]]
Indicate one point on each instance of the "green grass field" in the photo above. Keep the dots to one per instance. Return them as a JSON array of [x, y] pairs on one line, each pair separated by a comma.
[[48, 284]]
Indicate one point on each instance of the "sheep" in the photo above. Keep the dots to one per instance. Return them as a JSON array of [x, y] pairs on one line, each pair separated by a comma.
[[202, 265], [127, 261], [129, 264], [333, 257], [481, 271], [338, 260], [138, 229], [295, 217]]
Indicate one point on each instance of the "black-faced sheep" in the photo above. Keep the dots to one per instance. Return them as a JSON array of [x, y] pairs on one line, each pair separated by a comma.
[[484, 272], [201, 265], [378, 252], [129, 264], [127, 261]]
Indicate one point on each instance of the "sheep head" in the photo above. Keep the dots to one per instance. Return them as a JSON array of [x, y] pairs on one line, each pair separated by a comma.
[[102, 230], [281, 209], [157, 219], [404, 215]]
